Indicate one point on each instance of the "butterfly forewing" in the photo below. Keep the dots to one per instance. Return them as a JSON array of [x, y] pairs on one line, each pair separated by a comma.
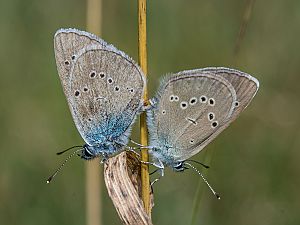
[[191, 107], [245, 87], [106, 91], [67, 44]]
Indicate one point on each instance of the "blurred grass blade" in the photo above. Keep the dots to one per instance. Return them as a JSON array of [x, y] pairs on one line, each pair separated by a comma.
[[200, 188], [93, 168], [244, 24]]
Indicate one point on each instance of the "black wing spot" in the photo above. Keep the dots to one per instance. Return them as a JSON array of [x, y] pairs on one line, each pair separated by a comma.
[[214, 124], [67, 62], [191, 120], [183, 105], [92, 74], [211, 116], [102, 75], [73, 57], [212, 101], [109, 80], [203, 99], [171, 98], [193, 101], [77, 93]]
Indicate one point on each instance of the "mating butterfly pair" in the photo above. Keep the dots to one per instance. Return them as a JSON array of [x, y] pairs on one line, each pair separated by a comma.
[[104, 88]]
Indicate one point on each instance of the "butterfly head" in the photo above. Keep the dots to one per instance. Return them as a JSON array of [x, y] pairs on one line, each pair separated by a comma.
[[104, 150], [178, 166], [88, 152]]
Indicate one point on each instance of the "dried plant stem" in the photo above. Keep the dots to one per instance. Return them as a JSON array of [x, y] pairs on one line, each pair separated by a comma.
[[93, 169], [142, 44], [122, 176]]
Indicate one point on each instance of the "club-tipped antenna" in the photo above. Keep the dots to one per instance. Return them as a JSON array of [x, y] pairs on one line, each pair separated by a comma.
[[62, 165], [76, 146], [200, 163], [204, 179]]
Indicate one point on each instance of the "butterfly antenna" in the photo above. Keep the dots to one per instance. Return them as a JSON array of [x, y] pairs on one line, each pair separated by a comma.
[[76, 146], [62, 165], [154, 171], [204, 179], [200, 163]]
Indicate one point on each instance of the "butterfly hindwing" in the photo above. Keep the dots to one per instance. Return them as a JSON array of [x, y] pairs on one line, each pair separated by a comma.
[[106, 91], [191, 107]]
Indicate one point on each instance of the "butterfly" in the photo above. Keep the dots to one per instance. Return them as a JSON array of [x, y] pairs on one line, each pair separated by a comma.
[[104, 89], [191, 109]]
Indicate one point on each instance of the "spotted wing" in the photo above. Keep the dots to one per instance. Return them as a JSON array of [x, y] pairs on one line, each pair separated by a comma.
[[106, 89], [193, 108], [67, 44], [245, 86]]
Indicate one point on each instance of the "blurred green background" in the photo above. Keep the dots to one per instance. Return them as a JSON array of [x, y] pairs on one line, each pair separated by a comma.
[[255, 163]]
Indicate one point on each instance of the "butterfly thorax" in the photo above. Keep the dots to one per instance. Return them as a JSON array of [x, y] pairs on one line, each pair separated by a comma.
[[104, 150]]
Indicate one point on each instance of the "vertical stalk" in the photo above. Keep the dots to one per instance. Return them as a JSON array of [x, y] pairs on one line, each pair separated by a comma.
[[142, 46], [93, 169], [244, 24]]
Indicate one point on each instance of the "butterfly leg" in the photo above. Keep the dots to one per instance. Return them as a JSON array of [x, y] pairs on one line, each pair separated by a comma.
[[138, 144], [104, 158], [152, 103], [160, 167], [157, 179], [153, 164]]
